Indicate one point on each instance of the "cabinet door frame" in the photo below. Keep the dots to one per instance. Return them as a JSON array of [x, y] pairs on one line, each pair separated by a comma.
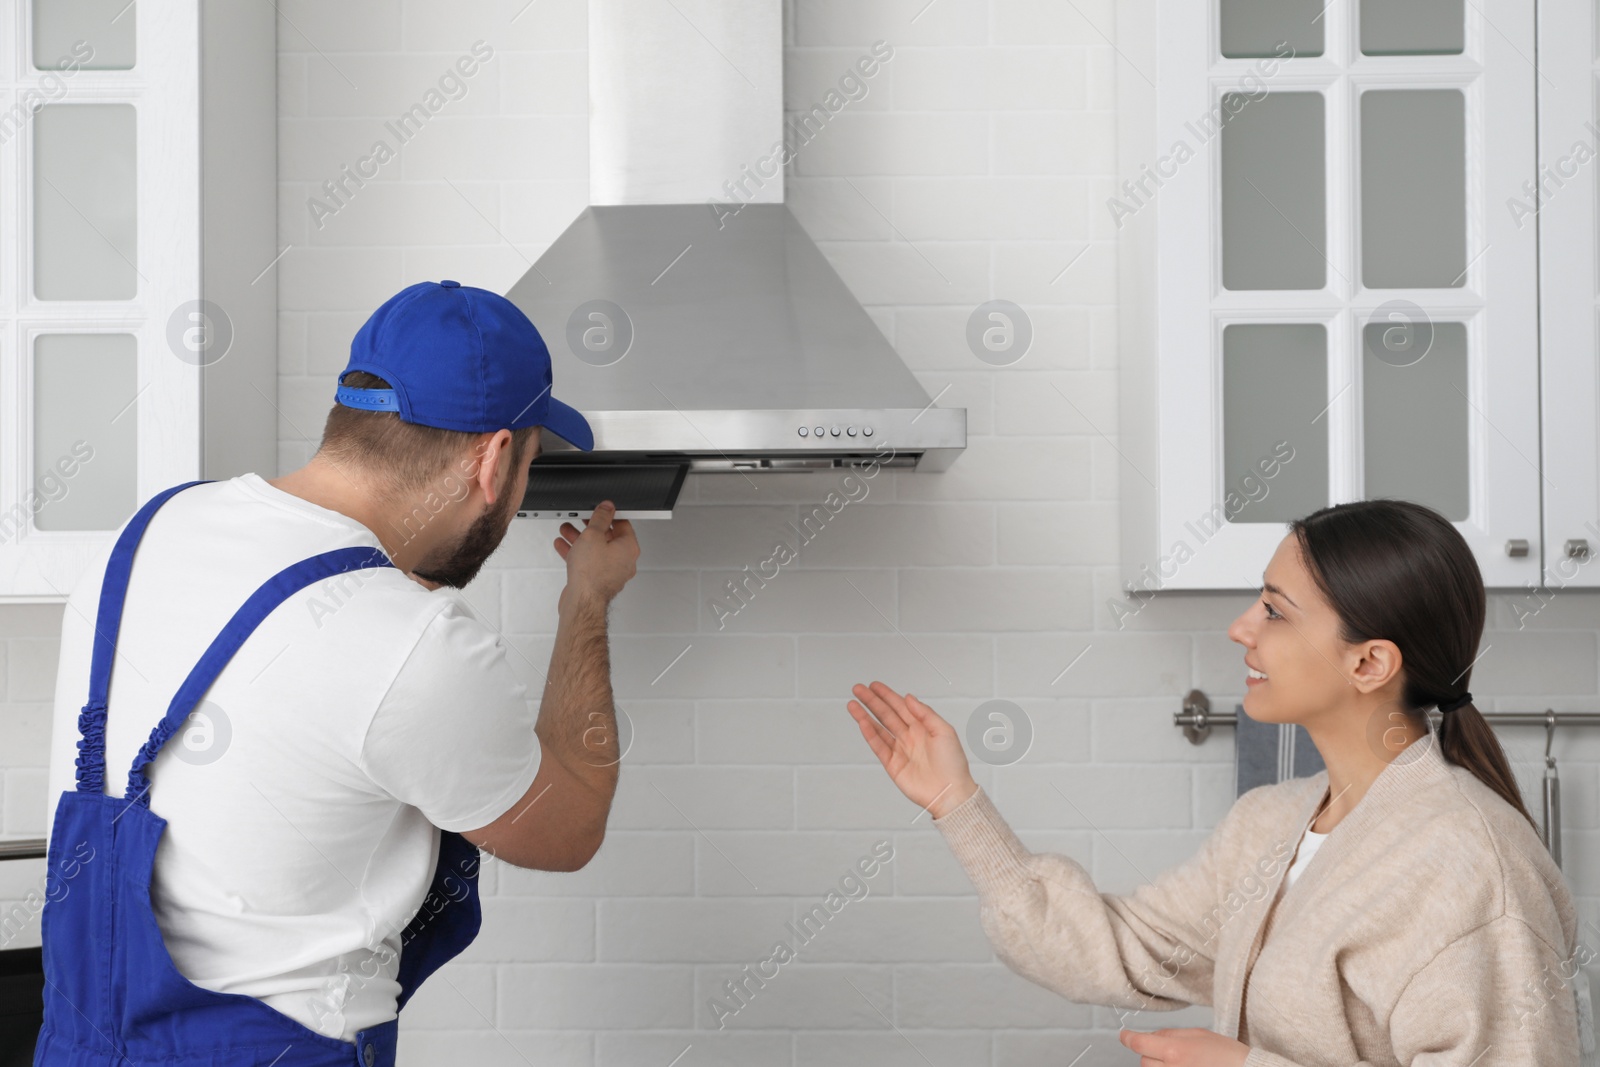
[[1569, 319], [1174, 305], [164, 88]]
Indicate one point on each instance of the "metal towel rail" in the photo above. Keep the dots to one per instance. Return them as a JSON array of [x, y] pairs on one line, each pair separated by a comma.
[[28, 848], [1197, 718]]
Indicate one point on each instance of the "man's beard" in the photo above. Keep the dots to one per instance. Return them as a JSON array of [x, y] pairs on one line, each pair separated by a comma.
[[458, 564]]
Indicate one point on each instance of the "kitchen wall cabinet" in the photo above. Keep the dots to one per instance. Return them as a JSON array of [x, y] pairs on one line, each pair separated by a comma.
[[137, 193], [1564, 197], [1324, 296]]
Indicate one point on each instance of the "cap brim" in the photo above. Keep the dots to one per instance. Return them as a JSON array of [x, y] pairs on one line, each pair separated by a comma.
[[566, 423]]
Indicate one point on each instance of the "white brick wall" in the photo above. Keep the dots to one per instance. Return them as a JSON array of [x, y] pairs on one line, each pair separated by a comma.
[[980, 163]]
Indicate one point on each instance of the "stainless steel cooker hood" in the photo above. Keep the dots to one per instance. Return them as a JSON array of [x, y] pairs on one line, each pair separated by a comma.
[[688, 315], [748, 351]]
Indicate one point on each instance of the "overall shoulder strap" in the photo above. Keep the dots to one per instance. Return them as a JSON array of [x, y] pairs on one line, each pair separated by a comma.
[[91, 761], [273, 591]]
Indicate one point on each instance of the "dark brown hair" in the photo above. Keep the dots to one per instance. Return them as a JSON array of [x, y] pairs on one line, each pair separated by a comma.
[[1398, 571], [404, 456]]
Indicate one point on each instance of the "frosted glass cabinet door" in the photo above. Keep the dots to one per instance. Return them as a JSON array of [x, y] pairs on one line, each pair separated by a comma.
[[1274, 193], [1415, 414], [85, 210], [111, 174], [85, 430], [1253, 28], [1413, 189], [1412, 27], [1302, 195], [1274, 395], [95, 34]]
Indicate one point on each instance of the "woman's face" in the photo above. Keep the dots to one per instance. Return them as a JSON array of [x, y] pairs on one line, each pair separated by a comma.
[[1291, 634]]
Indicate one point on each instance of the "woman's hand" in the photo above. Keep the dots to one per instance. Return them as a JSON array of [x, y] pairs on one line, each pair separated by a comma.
[[920, 751], [1187, 1047]]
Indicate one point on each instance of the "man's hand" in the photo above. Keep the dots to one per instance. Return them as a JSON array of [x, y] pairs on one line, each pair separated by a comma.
[[602, 557], [560, 822], [1185, 1047]]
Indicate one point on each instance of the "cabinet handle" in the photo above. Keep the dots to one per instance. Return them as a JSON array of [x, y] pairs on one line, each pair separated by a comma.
[[1517, 546], [1577, 548]]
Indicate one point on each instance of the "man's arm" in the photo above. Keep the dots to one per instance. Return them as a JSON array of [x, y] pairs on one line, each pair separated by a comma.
[[560, 822]]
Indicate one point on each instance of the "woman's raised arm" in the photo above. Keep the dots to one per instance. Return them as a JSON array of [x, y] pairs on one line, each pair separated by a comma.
[[1153, 949]]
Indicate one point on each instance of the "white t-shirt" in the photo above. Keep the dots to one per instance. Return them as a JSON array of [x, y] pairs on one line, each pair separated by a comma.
[[364, 713], [1309, 843]]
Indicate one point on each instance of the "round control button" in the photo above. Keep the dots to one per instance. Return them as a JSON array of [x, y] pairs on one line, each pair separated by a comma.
[[867, 430], [851, 430], [803, 431], [449, 284], [818, 431], [835, 431]]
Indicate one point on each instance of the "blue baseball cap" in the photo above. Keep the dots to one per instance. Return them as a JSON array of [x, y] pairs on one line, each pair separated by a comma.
[[459, 358]]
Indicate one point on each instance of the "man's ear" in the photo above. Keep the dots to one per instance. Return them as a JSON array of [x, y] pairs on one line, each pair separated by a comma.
[[502, 460]]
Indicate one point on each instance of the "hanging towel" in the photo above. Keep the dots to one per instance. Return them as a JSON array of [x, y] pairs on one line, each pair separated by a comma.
[[1269, 752]]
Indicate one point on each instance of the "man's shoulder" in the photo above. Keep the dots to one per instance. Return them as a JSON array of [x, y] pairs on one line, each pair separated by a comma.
[[382, 597], [438, 642]]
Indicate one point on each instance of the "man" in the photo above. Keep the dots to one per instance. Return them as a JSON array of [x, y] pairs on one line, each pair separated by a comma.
[[341, 736]]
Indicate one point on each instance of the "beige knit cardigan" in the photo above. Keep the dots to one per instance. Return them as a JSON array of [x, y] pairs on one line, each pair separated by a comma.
[[1431, 928]]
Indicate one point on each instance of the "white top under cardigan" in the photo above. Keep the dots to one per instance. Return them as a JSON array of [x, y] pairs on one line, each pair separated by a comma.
[[1309, 843]]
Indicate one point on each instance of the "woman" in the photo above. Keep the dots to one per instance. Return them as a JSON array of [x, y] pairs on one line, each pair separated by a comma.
[[1432, 925]]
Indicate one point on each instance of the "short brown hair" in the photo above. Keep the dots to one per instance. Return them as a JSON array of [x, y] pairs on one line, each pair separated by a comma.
[[405, 456]]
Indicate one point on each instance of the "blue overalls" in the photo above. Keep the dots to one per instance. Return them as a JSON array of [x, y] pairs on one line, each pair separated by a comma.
[[113, 997]]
